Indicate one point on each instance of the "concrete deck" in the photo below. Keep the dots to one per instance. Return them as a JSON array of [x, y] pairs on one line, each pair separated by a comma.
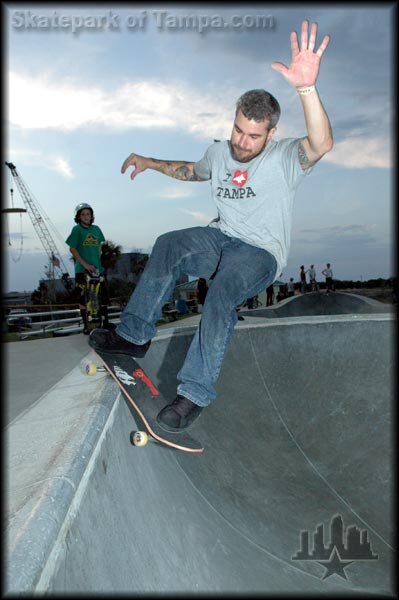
[[300, 432], [320, 303]]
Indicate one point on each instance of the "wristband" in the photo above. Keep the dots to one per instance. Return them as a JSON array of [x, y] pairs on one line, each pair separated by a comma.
[[304, 91]]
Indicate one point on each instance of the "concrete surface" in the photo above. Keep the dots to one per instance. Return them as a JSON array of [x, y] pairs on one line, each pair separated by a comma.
[[300, 432], [320, 303], [32, 367]]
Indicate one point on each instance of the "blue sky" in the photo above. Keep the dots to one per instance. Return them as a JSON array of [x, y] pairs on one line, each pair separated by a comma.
[[80, 102]]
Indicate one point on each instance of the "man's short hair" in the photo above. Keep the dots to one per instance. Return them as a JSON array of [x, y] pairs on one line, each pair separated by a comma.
[[259, 105]]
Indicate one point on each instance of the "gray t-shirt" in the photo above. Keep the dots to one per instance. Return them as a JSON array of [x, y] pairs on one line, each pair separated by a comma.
[[255, 199]]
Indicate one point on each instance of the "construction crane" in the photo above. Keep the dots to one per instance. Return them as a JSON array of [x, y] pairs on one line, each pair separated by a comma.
[[57, 264]]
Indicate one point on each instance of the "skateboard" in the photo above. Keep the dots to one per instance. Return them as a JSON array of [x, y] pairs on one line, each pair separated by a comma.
[[93, 305], [143, 397]]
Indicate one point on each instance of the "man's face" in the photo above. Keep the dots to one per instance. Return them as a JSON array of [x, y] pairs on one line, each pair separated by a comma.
[[249, 138]]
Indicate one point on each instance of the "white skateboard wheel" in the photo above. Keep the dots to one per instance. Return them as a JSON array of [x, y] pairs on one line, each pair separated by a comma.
[[139, 438], [88, 367], [91, 368]]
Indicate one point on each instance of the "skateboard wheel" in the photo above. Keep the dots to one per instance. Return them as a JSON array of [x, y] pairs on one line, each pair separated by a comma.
[[88, 367], [91, 369], [139, 438]]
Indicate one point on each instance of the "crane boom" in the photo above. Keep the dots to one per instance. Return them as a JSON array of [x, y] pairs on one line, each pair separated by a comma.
[[39, 224]]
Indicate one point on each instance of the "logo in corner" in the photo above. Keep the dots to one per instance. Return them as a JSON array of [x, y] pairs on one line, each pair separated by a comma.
[[342, 551]]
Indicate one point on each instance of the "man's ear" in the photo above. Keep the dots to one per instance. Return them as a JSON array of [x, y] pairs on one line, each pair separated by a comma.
[[271, 133]]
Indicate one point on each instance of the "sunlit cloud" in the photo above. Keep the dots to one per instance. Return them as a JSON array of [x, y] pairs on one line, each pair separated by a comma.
[[361, 153], [42, 102], [38, 159], [62, 166]]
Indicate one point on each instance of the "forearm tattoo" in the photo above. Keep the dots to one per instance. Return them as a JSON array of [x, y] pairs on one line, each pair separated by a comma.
[[177, 169]]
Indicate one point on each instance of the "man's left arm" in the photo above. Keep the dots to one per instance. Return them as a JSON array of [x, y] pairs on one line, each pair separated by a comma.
[[302, 74]]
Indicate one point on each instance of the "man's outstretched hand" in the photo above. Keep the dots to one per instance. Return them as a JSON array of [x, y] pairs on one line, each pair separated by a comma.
[[305, 63], [140, 164]]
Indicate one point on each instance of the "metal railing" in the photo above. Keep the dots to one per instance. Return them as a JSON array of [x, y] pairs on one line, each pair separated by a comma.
[[59, 323]]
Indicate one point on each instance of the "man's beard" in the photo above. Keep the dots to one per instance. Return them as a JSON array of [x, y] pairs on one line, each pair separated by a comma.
[[244, 156]]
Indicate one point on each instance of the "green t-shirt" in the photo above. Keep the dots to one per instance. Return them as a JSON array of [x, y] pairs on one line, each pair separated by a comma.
[[87, 241]]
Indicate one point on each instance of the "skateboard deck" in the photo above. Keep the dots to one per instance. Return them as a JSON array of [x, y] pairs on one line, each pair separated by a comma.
[[143, 397], [93, 308]]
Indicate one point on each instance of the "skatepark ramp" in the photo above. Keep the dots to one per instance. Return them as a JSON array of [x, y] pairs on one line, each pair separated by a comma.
[[320, 303], [291, 495]]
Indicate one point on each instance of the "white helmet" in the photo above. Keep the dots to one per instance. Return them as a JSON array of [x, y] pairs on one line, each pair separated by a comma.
[[81, 206]]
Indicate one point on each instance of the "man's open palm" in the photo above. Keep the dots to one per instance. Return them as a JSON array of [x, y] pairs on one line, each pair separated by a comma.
[[305, 63]]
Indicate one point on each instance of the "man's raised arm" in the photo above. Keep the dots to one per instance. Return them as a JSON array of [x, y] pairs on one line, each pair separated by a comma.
[[302, 74], [178, 169]]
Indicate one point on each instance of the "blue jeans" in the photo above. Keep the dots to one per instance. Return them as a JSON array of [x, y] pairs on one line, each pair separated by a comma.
[[242, 271]]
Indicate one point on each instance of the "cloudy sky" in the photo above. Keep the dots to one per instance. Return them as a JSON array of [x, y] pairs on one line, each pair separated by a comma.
[[88, 86]]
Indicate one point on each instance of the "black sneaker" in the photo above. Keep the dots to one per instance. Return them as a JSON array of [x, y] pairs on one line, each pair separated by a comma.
[[178, 415], [107, 340]]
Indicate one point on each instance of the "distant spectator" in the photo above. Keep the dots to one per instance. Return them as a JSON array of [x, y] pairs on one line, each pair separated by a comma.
[[181, 306], [302, 278], [290, 287], [312, 278], [327, 272]]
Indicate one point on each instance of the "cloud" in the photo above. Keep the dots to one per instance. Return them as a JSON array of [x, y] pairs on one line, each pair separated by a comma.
[[175, 193], [33, 158], [361, 153], [198, 216], [42, 103], [62, 166], [340, 229], [339, 235]]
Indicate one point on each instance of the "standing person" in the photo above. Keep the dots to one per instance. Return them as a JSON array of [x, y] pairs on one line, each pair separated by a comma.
[[312, 278], [250, 303], [327, 272], [302, 277], [254, 179], [84, 242], [290, 287], [269, 295]]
